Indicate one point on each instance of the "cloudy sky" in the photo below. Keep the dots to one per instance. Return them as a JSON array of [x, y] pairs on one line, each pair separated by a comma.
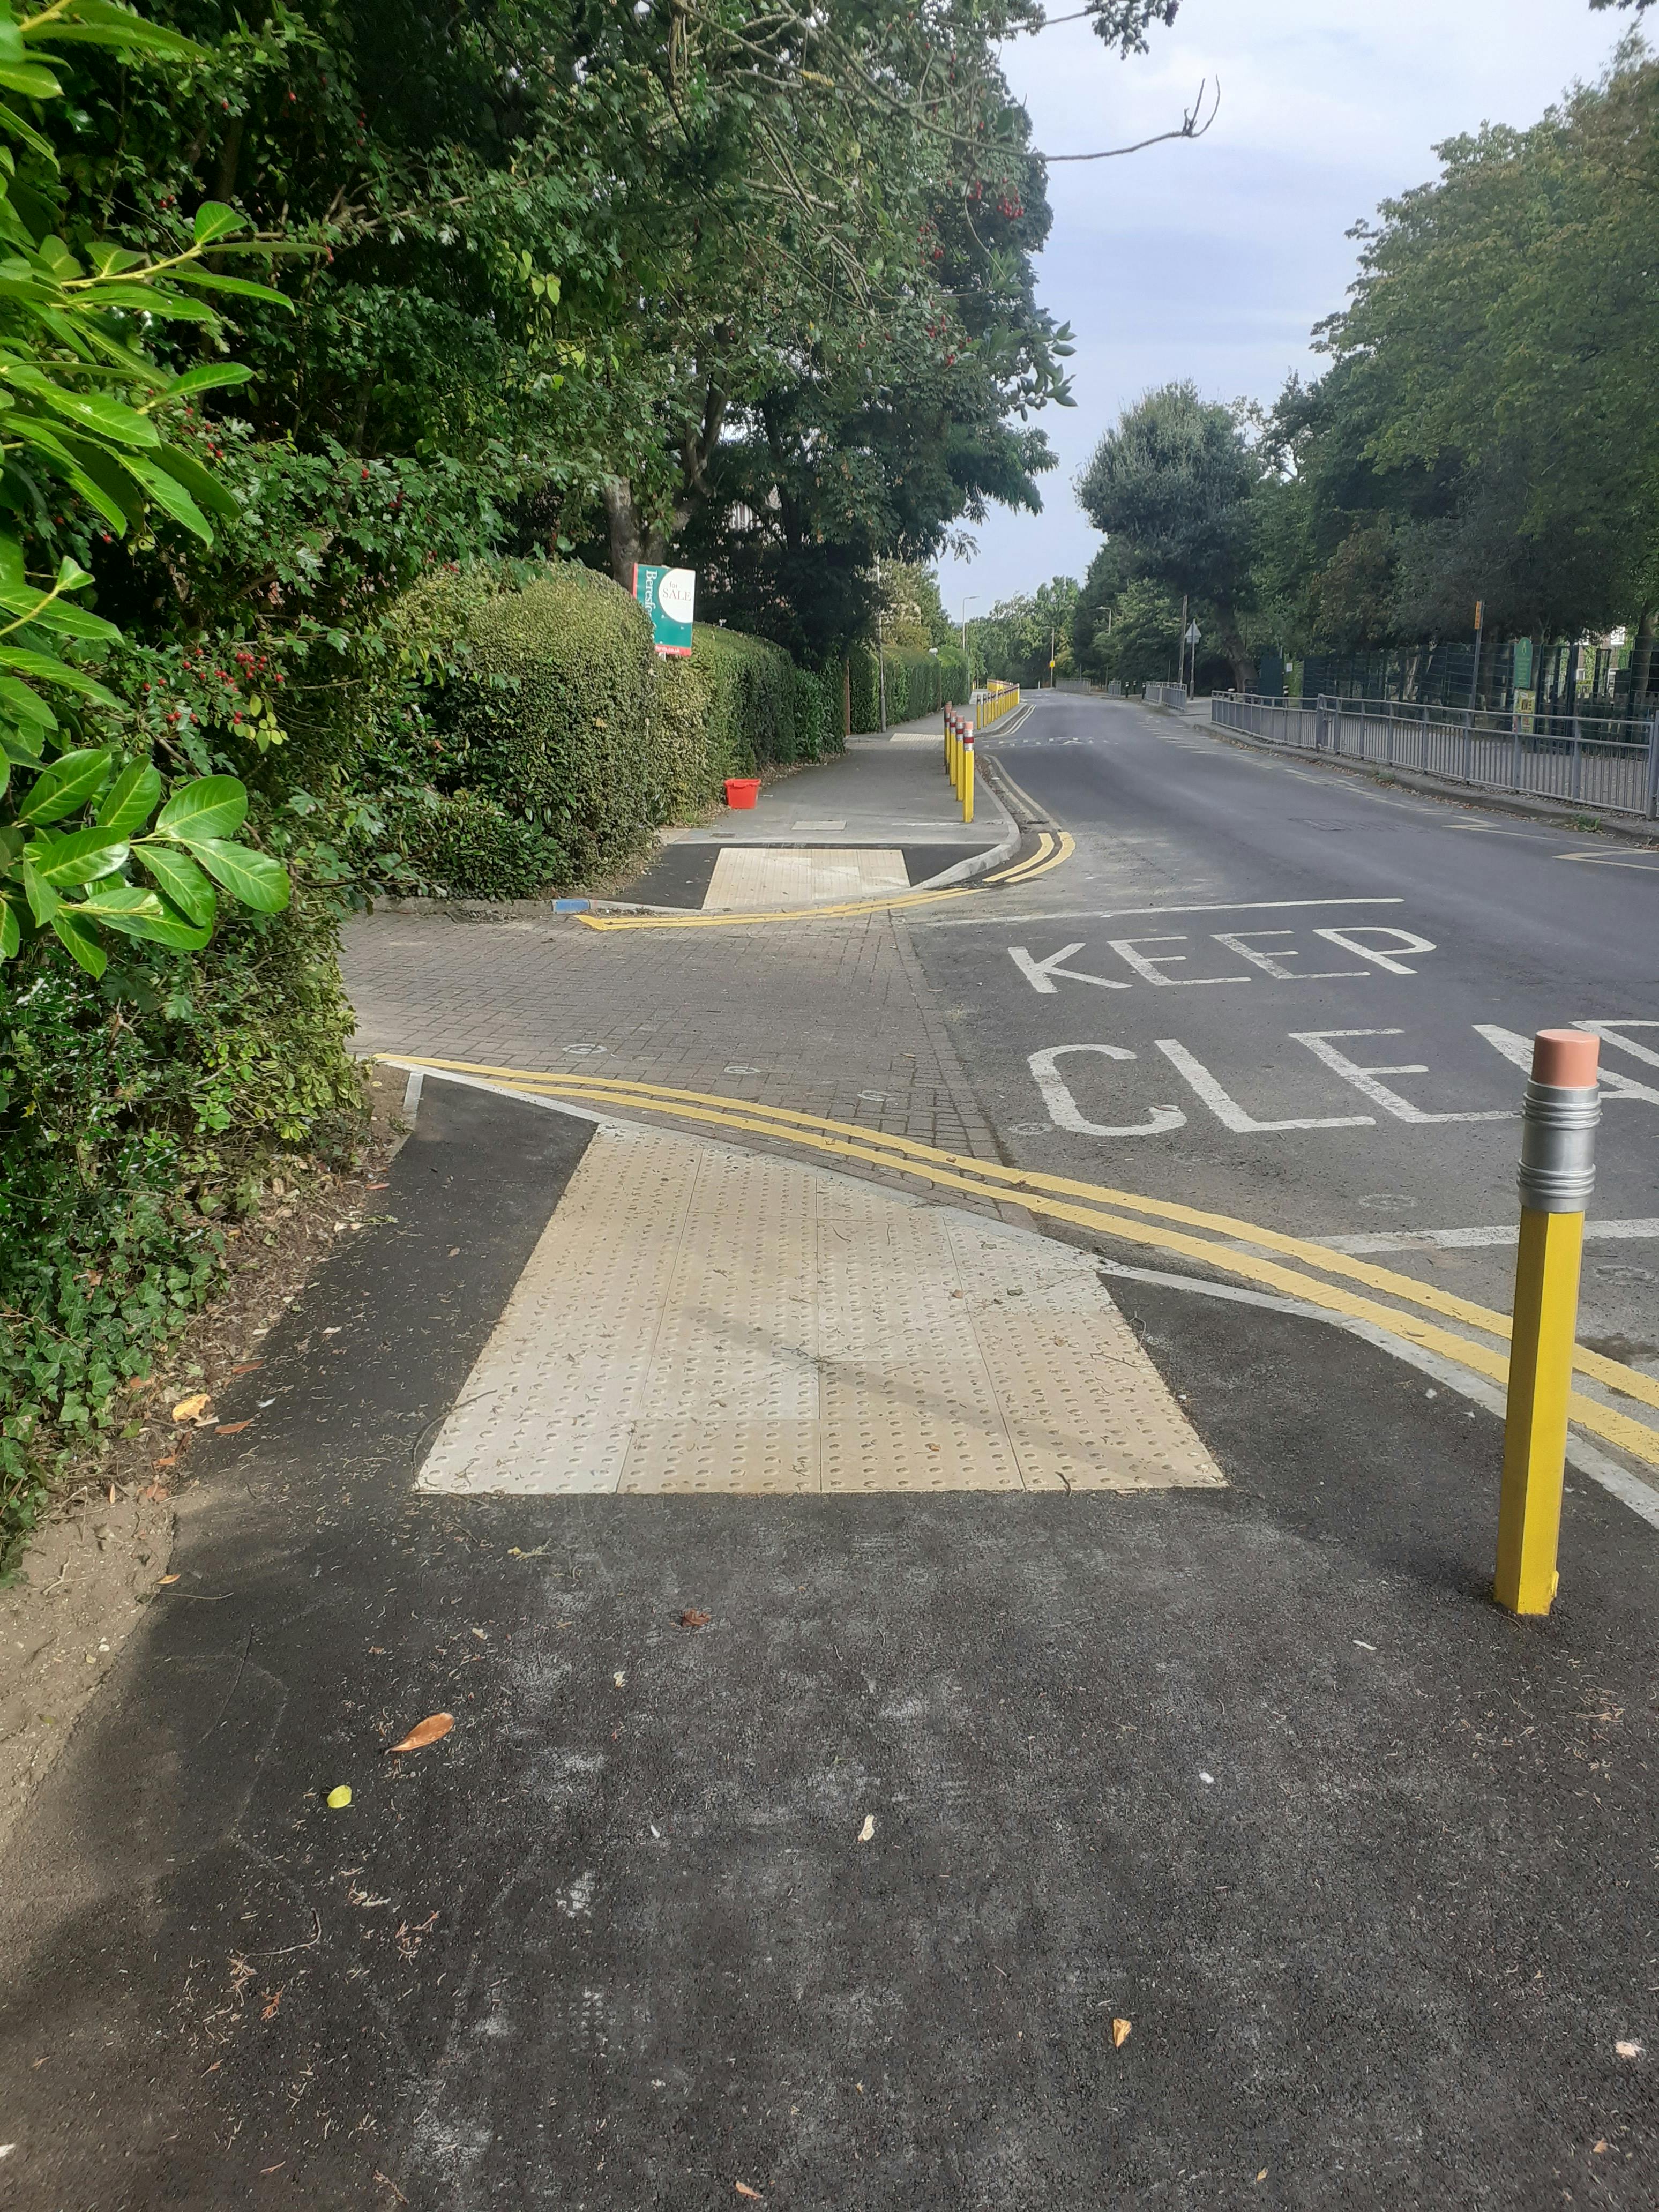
[[1213, 260]]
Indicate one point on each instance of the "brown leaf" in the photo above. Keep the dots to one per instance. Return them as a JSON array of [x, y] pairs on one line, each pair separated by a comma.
[[165, 1580], [269, 2013], [168, 1459], [425, 1732], [1119, 2033], [247, 1367], [693, 1618], [233, 1428], [188, 1408], [744, 2189]]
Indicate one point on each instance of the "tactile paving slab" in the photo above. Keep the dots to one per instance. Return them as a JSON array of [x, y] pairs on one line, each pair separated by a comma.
[[782, 875], [699, 1318]]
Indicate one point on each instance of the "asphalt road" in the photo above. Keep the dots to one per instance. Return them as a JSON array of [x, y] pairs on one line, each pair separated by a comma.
[[1287, 992]]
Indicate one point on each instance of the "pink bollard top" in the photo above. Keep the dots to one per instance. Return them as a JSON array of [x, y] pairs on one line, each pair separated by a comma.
[[1565, 1058]]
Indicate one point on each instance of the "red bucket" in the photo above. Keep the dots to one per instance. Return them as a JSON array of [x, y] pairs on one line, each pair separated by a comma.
[[742, 790]]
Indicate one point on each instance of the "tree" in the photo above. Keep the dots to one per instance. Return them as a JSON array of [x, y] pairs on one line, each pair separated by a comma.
[[1175, 486]]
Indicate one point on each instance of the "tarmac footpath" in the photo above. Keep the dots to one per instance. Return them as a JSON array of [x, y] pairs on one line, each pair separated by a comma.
[[1167, 1817]]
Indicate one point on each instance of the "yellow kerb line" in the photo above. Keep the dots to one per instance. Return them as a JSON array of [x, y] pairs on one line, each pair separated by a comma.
[[991, 1179], [1039, 865]]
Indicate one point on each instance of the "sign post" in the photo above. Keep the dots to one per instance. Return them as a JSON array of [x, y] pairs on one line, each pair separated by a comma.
[[667, 596]]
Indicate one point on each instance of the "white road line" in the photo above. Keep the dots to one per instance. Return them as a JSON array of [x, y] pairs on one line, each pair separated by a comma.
[[1469, 1240], [1602, 860]]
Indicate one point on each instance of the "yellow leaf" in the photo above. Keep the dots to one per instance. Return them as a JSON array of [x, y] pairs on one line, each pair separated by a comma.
[[338, 1799], [425, 1732], [188, 1408], [1119, 2033]]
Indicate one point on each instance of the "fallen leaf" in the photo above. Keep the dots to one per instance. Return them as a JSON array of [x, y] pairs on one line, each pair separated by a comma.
[[165, 1580], [247, 1367], [744, 2189], [1263, 2176], [188, 1408], [695, 1620], [232, 1428], [425, 1732], [1596, 2147], [155, 1492], [1627, 2049], [867, 1832], [378, 1186], [1121, 2033], [269, 2013], [137, 1382], [339, 1797]]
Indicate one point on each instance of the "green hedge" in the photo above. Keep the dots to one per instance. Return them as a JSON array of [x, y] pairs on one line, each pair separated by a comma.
[[918, 683], [467, 847], [562, 739], [549, 715], [128, 1144]]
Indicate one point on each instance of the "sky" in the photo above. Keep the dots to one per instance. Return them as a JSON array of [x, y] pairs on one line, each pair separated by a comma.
[[1213, 260]]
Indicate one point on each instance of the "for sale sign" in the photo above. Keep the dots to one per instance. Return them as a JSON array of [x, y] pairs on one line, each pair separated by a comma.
[[666, 595]]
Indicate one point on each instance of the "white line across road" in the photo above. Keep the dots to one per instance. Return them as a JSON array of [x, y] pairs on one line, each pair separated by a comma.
[[1474, 1240], [1118, 913]]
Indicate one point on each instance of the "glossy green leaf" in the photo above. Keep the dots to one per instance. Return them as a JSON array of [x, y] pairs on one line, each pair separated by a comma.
[[204, 488], [181, 879], [82, 940], [131, 799], [21, 747], [11, 934], [69, 782], [215, 220], [29, 78], [209, 280], [212, 806], [96, 24], [138, 913], [43, 900], [46, 670], [25, 706], [253, 877], [82, 856], [68, 620], [92, 410], [210, 377], [169, 494]]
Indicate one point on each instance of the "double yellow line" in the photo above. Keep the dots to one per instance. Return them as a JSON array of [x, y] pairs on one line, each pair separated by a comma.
[[1052, 848], [1113, 1213]]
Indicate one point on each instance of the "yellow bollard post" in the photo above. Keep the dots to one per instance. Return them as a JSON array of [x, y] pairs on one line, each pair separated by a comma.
[[967, 782], [1558, 1173]]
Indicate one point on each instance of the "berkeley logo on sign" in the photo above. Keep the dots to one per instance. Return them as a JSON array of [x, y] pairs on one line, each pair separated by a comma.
[[666, 595]]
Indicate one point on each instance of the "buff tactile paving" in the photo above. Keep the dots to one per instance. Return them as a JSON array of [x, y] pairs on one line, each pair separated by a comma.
[[757, 876], [697, 1318]]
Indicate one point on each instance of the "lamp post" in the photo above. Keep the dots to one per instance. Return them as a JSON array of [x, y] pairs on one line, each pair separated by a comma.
[[966, 604]]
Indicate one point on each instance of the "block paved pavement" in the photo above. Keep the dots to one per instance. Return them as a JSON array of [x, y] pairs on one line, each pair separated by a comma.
[[833, 1017]]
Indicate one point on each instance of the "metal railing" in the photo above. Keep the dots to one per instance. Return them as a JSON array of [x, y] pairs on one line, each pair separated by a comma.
[[1604, 767], [1165, 695]]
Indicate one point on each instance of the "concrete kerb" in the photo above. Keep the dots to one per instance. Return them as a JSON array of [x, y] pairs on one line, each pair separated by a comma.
[[1564, 818]]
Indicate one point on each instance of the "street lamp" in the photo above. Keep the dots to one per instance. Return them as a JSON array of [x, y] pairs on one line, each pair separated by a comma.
[[966, 604]]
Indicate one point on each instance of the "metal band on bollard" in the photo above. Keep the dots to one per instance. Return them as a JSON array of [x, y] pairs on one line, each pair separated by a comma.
[[1557, 1145]]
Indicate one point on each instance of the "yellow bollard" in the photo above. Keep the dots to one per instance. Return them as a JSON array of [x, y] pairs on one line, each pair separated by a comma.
[[1558, 1173], [968, 781]]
